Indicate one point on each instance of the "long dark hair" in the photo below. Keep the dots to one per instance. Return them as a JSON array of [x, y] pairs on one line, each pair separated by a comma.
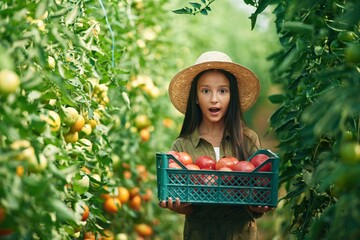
[[234, 123]]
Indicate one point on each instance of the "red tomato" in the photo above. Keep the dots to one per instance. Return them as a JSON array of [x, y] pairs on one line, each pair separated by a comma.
[[244, 166], [226, 169], [192, 166], [175, 154], [174, 165], [205, 162], [226, 162], [185, 158], [258, 159]]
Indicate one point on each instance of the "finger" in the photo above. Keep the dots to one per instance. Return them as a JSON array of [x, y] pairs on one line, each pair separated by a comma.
[[162, 204], [177, 202], [170, 202]]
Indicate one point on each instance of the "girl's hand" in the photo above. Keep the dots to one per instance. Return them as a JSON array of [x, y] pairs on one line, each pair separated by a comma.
[[177, 206], [260, 209]]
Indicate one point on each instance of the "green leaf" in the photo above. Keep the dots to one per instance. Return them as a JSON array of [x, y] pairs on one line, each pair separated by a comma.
[[126, 99], [71, 16], [195, 5], [276, 98], [62, 212], [204, 11], [260, 8], [34, 95], [183, 11], [297, 27], [249, 2], [41, 8], [81, 183], [253, 18]]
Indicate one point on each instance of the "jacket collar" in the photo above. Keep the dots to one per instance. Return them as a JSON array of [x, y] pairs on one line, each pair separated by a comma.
[[195, 137]]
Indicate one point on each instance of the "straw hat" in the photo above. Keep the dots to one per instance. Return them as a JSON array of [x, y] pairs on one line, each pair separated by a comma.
[[248, 83]]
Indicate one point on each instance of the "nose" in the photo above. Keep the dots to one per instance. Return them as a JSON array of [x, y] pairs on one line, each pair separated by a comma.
[[214, 97]]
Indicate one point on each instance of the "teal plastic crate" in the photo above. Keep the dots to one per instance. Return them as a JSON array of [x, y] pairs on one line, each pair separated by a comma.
[[218, 187]]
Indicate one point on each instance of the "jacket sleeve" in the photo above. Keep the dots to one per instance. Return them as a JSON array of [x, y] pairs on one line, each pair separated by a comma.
[[253, 142], [177, 145]]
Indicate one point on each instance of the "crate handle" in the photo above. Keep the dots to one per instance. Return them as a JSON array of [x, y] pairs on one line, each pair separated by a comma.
[[267, 152], [273, 158]]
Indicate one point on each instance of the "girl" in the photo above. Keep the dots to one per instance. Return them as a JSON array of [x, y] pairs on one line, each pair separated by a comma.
[[212, 94]]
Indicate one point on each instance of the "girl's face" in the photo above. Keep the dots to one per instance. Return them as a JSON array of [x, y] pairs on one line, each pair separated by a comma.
[[213, 95]]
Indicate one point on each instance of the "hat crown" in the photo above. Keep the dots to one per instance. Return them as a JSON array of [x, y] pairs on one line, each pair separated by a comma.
[[213, 56]]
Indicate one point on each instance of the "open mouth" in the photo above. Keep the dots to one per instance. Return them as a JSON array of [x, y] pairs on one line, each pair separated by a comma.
[[214, 109]]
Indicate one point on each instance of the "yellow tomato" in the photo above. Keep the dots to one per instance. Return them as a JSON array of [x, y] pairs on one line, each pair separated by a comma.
[[71, 137], [87, 129], [143, 230], [145, 134], [112, 205], [123, 195], [78, 125]]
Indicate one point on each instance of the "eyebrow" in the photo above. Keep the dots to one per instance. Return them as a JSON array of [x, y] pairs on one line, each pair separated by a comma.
[[207, 85]]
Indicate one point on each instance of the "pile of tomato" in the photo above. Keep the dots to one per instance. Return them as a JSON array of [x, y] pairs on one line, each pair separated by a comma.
[[228, 163]]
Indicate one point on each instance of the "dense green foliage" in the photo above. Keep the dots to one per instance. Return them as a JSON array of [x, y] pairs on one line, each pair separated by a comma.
[[319, 115], [98, 57]]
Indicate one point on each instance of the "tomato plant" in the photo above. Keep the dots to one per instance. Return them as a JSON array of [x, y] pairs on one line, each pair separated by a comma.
[[74, 76]]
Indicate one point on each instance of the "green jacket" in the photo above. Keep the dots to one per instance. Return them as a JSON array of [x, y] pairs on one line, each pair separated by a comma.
[[218, 222]]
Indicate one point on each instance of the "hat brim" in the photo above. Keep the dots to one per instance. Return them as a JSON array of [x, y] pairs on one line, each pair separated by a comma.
[[248, 83]]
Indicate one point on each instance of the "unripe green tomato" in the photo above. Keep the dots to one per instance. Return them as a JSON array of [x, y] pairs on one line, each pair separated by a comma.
[[348, 135], [318, 50], [352, 53], [350, 152], [70, 115], [347, 36], [9, 81]]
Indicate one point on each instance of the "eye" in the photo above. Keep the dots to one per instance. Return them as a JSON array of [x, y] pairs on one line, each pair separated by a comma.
[[224, 90], [205, 90]]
